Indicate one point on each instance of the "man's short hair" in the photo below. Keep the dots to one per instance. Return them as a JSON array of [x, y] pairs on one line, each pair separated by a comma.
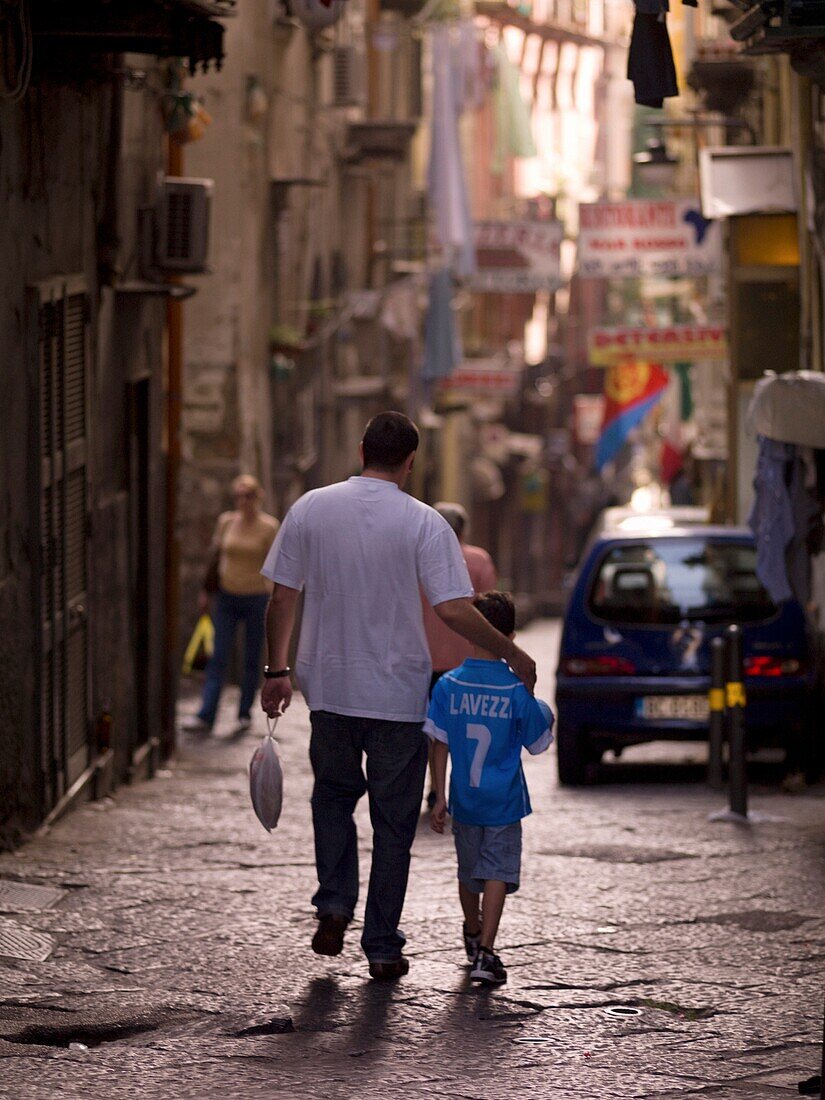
[[498, 609], [454, 514], [389, 439]]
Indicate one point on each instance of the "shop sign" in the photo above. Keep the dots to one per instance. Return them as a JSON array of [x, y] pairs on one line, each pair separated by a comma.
[[486, 378], [672, 344], [518, 257], [647, 238]]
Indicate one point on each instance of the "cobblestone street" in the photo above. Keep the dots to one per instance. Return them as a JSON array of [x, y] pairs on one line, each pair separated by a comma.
[[651, 954]]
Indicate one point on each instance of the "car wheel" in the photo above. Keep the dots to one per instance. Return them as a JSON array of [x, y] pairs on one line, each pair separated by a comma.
[[574, 754]]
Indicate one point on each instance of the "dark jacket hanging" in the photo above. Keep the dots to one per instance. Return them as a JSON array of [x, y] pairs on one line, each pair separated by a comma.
[[650, 61]]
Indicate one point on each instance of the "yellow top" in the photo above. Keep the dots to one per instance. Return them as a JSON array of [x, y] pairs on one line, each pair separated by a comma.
[[243, 548]]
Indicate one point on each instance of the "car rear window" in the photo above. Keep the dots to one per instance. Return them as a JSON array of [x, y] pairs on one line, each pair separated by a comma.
[[670, 580]]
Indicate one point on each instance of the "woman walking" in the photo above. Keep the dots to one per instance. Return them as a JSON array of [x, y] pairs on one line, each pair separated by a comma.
[[241, 542]]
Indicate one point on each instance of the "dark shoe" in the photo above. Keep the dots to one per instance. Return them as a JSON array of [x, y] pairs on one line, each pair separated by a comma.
[[329, 939], [194, 724], [487, 969], [242, 727], [389, 971], [471, 943]]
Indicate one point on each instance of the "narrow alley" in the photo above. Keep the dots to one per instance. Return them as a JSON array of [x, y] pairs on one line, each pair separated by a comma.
[[652, 954]]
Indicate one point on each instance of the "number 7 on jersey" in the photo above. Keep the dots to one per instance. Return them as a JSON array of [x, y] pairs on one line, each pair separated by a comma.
[[477, 732]]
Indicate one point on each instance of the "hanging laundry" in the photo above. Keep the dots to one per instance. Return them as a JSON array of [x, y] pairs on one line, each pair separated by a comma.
[[650, 60], [771, 518], [447, 183], [513, 132], [468, 65], [442, 343]]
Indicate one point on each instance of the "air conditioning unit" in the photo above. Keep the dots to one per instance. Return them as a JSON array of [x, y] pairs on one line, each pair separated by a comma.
[[348, 83], [183, 213]]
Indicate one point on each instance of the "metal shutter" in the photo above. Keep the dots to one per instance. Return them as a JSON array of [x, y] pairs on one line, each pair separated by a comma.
[[62, 311]]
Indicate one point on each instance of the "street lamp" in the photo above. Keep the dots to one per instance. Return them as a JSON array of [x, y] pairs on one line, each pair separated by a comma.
[[656, 166]]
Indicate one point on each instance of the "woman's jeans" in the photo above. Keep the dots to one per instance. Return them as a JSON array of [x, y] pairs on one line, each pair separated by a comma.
[[227, 613], [396, 755]]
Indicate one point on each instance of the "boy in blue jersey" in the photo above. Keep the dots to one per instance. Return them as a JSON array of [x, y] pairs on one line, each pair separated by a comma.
[[481, 715]]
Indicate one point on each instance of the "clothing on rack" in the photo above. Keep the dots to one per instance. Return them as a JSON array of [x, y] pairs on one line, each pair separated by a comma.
[[771, 518], [807, 521]]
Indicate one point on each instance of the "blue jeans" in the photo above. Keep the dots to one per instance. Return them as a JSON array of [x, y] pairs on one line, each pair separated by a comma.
[[396, 761], [227, 613]]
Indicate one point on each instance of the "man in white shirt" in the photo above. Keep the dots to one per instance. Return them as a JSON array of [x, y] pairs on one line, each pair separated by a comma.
[[359, 550]]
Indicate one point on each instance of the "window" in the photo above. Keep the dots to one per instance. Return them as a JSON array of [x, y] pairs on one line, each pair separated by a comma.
[[666, 581]]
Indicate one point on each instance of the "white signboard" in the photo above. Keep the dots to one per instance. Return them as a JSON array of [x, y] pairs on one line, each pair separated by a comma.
[[746, 180], [485, 378], [643, 238], [517, 257]]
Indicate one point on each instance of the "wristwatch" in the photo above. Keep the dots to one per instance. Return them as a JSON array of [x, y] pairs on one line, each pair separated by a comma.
[[276, 673]]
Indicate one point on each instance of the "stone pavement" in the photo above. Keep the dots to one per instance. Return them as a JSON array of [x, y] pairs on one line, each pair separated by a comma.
[[651, 953]]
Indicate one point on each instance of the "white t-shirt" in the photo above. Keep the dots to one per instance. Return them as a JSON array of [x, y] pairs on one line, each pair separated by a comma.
[[359, 550]]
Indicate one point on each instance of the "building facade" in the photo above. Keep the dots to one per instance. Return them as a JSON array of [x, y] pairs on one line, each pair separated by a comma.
[[82, 466]]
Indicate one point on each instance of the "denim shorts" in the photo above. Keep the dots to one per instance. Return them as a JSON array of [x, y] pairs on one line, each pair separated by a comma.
[[488, 852]]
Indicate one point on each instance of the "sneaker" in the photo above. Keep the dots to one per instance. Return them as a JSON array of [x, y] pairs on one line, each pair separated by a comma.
[[472, 942], [194, 724], [487, 969], [329, 939], [389, 971]]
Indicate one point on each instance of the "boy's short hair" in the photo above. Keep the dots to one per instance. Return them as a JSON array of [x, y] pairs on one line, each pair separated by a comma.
[[389, 439], [498, 609]]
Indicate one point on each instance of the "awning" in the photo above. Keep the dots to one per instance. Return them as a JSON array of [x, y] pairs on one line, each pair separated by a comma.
[[789, 408]]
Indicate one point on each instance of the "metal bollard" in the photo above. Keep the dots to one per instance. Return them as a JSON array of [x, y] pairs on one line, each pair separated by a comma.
[[735, 715], [716, 704]]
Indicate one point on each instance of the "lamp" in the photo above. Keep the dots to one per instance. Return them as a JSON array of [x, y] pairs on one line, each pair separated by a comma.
[[656, 166]]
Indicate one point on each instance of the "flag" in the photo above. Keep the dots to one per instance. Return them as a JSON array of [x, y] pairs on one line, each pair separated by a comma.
[[631, 390], [672, 458], [672, 425]]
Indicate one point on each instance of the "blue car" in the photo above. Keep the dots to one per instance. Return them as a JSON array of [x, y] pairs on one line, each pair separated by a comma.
[[635, 653]]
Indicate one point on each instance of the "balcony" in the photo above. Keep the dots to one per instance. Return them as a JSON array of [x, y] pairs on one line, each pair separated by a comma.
[[162, 28], [794, 27], [384, 139]]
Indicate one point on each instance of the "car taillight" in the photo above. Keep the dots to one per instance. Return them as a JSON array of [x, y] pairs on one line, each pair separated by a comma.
[[772, 666], [597, 666]]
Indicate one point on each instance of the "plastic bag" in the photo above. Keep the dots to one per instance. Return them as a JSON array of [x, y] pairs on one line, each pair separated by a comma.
[[201, 646], [266, 780]]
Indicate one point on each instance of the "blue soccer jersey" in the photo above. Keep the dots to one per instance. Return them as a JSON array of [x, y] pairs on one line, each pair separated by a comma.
[[484, 713]]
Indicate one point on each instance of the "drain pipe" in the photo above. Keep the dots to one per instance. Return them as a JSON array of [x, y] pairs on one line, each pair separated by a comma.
[[174, 400]]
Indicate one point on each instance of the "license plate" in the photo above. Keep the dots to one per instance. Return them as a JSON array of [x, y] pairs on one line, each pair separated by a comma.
[[692, 708]]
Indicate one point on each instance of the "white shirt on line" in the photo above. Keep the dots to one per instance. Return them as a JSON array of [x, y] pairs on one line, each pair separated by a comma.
[[359, 550]]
